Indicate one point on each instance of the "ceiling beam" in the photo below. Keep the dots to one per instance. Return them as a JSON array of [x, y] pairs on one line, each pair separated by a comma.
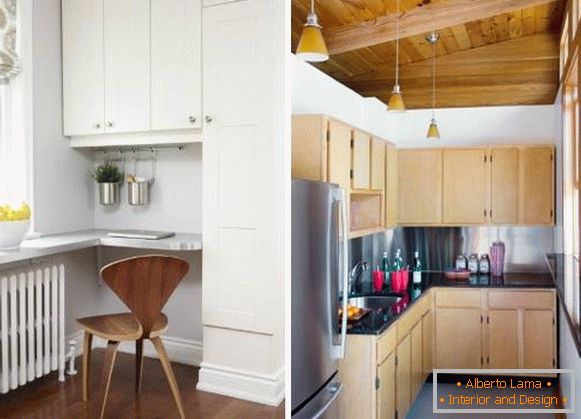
[[419, 20]]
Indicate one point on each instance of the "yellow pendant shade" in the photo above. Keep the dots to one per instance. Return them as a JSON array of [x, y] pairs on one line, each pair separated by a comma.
[[433, 131], [396, 103], [312, 46]]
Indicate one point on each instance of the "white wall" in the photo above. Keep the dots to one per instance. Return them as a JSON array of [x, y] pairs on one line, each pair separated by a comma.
[[569, 359], [315, 92], [175, 196], [62, 192]]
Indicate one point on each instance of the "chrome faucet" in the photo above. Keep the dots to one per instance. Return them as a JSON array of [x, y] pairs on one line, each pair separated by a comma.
[[355, 274]]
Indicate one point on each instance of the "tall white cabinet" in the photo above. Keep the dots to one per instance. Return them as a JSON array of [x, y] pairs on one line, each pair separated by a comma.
[[246, 188], [131, 66]]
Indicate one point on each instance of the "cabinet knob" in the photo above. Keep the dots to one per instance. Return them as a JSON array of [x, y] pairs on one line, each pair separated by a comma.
[[192, 119], [208, 119], [109, 124], [97, 125]]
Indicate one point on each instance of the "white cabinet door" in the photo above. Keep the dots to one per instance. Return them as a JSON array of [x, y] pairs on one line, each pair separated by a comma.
[[127, 65], [83, 78], [240, 174], [176, 36]]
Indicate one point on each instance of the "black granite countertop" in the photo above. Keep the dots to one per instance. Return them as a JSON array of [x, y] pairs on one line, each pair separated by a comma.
[[565, 272], [377, 321]]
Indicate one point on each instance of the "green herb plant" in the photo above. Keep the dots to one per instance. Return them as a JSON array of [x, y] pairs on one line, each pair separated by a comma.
[[107, 172]]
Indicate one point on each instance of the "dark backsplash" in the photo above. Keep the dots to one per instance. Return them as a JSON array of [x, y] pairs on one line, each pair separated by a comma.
[[438, 246]]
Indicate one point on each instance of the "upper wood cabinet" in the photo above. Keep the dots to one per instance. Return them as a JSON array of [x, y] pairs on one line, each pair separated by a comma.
[[176, 64], [338, 160], [466, 183], [361, 160], [131, 66], [504, 186], [391, 185], [420, 186], [377, 163], [537, 204]]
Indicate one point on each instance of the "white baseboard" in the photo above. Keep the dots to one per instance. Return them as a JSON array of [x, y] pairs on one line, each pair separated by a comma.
[[259, 388], [183, 351]]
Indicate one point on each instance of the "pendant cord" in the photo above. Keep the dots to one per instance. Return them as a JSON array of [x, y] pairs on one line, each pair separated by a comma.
[[312, 6], [434, 80], [397, 46]]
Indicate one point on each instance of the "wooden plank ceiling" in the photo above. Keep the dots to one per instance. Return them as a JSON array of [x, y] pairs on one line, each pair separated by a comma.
[[491, 52]]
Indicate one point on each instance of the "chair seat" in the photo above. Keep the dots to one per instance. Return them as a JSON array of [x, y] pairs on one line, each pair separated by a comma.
[[120, 326]]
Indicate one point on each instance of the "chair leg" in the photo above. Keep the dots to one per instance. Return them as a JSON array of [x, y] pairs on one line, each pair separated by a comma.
[[108, 364], [165, 362], [87, 344], [138, 364]]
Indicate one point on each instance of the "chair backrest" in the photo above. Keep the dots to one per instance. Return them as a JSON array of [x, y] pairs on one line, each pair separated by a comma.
[[144, 284]]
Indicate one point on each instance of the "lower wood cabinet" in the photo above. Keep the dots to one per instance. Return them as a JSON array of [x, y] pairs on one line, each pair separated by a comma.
[[446, 328]]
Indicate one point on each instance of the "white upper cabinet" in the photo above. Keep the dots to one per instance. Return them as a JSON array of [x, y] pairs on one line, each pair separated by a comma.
[[176, 89], [83, 77], [126, 37], [131, 66]]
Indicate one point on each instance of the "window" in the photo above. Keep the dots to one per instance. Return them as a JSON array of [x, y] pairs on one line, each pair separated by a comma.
[[13, 156]]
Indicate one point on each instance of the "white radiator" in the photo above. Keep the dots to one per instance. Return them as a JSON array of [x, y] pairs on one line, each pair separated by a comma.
[[32, 341]]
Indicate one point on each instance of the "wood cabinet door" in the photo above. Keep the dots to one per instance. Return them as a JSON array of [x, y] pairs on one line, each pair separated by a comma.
[[377, 164], [339, 154], [386, 390], [391, 185], [403, 376], [309, 147], [428, 343], [127, 65], [176, 64], [537, 197], [420, 187], [361, 165], [466, 183], [539, 339], [458, 338], [504, 185], [503, 348], [416, 357], [83, 76]]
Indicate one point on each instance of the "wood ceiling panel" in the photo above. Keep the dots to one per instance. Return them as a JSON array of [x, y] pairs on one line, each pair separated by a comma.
[[470, 53]]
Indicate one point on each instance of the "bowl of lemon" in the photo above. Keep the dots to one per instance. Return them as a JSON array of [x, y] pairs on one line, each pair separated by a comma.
[[14, 224]]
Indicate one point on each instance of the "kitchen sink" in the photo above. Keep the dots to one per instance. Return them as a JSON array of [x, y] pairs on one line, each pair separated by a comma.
[[374, 302]]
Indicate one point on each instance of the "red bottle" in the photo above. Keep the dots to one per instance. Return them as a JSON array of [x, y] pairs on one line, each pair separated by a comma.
[[378, 280]]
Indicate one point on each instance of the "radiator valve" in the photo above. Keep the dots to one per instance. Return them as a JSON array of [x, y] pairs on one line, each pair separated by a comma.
[[71, 357]]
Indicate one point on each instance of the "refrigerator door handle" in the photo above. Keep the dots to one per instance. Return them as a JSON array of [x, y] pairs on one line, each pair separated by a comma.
[[335, 390], [344, 236]]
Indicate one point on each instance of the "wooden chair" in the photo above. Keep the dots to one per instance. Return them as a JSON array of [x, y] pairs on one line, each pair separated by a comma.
[[144, 284]]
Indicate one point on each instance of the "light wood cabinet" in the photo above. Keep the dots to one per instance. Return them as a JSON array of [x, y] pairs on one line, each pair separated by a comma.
[[539, 337], [420, 187], [502, 339], [176, 64], [458, 338], [504, 186], [417, 373], [428, 343], [361, 167], [386, 390], [377, 163], [403, 376], [465, 190], [537, 197], [391, 185]]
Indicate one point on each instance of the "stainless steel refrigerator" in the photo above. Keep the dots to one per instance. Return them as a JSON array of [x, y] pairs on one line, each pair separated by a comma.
[[319, 276]]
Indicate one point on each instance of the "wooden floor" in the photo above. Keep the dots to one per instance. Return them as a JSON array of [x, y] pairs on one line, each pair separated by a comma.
[[47, 398]]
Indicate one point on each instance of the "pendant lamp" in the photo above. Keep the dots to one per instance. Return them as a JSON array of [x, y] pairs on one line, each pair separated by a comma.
[[433, 132], [396, 103], [312, 46]]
